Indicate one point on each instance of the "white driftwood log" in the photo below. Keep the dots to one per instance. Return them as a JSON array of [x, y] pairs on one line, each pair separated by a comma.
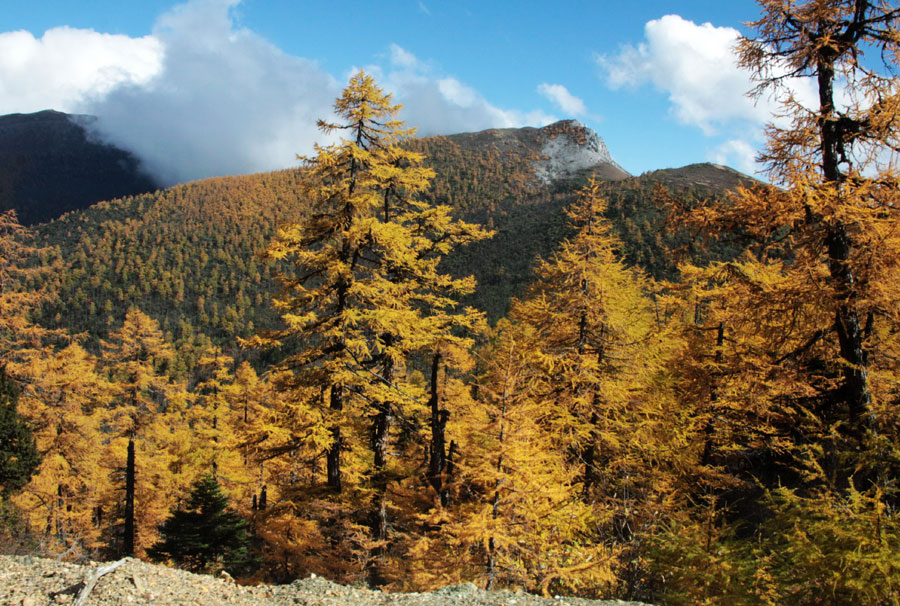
[[91, 579]]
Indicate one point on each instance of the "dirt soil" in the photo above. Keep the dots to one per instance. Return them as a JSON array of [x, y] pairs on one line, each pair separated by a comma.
[[31, 581]]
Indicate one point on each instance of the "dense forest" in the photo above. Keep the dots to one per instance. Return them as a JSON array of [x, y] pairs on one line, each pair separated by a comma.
[[406, 364]]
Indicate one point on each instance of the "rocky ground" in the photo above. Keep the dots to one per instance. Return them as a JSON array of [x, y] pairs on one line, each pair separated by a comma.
[[30, 581]]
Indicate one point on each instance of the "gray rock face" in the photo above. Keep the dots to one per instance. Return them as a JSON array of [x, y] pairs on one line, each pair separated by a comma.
[[557, 151], [575, 149]]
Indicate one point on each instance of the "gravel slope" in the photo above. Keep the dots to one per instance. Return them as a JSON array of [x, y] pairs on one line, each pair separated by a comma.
[[29, 581]]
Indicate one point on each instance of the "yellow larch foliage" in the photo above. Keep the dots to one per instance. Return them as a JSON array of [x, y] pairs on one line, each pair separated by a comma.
[[20, 338], [362, 297], [66, 402], [793, 359], [213, 428], [146, 416], [597, 347], [555, 485], [521, 521]]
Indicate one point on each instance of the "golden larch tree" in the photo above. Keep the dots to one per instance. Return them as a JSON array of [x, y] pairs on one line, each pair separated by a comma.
[[147, 411], [520, 520], [363, 294], [67, 404], [796, 356]]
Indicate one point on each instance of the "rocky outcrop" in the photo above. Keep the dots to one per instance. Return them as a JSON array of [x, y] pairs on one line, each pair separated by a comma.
[[570, 148], [561, 150]]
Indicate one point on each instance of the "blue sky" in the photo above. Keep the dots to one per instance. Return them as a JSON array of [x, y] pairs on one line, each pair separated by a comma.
[[217, 86]]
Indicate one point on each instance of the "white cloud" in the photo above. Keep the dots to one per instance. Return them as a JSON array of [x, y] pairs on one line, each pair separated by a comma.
[[697, 66], [737, 153], [566, 101], [65, 66], [402, 58], [202, 97], [226, 101], [441, 104]]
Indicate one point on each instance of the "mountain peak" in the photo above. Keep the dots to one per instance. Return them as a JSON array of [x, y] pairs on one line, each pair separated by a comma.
[[569, 148], [560, 150], [713, 177]]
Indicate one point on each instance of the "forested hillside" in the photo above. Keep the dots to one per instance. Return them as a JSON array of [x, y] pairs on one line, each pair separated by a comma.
[[189, 256]]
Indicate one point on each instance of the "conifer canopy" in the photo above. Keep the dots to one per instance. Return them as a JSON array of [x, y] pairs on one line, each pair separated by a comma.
[[204, 535]]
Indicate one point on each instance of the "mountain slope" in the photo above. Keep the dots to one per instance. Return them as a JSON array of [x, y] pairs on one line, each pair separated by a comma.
[[49, 166], [710, 176], [560, 150], [189, 255]]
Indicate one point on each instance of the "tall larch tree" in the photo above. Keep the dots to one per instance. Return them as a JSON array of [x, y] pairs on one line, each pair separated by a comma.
[[364, 293], [213, 440], [67, 402], [800, 333], [597, 346], [31, 355], [148, 409], [520, 520], [596, 334]]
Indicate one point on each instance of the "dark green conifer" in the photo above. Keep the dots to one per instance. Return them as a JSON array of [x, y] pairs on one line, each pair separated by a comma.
[[204, 536], [19, 456]]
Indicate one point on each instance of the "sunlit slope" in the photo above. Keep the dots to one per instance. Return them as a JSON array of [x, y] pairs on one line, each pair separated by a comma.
[[190, 255]]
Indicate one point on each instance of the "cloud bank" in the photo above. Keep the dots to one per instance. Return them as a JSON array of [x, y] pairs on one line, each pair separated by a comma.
[[562, 98], [201, 96], [65, 66], [225, 101], [697, 67]]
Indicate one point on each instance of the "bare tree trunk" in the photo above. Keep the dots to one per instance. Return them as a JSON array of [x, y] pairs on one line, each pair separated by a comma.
[[437, 459], [839, 248], [710, 429], [382, 423], [333, 455], [128, 539], [378, 521]]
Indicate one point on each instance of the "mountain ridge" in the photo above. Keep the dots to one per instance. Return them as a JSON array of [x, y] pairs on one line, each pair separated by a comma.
[[50, 164], [170, 253], [560, 150]]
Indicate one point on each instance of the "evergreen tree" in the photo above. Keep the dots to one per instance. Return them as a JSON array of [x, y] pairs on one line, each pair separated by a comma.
[[362, 297], [204, 536], [19, 457], [793, 358], [148, 411]]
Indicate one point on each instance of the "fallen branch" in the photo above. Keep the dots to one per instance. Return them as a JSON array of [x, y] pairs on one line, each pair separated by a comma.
[[91, 579], [65, 554]]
